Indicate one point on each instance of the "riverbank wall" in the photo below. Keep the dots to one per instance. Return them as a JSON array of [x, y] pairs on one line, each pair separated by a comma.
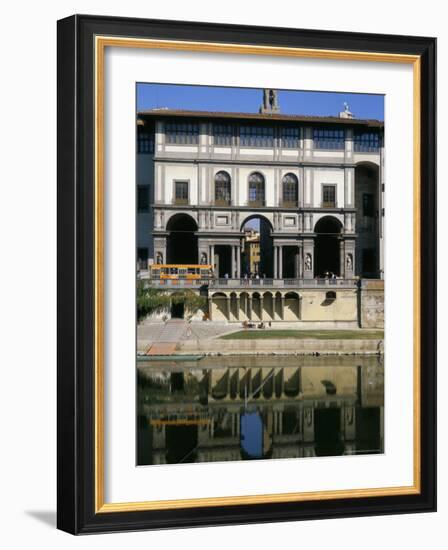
[[283, 346]]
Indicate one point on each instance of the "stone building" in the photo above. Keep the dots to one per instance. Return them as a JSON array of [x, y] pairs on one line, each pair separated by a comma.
[[315, 185], [251, 252]]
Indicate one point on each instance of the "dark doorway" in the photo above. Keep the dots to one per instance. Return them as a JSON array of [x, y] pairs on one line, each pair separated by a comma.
[[326, 253], [177, 310], [223, 260], [327, 432], [290, 262], [181, 443], [182, 242]]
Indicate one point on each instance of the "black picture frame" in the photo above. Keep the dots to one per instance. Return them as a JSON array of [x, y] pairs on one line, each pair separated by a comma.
[[76, 285]]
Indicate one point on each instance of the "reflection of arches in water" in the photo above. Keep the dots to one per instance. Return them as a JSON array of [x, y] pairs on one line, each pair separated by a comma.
[[251, 435], [221, 386], [264, 226], [327, 253], [292, 384], [182, 243], [327, 432], [368, 423], [181, 442], [177, 381]]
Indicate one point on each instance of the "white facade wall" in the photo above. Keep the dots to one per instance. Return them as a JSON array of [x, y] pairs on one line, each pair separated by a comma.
[[180, 172], [328, 177], [201, 182]]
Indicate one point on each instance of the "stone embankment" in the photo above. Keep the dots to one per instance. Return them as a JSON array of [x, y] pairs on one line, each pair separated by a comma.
[[282, 346]]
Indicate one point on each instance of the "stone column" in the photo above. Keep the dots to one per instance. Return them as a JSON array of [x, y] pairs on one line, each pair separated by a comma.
[[228, 307], [349, 422], [237, 307], [342, 258], [282, 309], [308, 424], [238, 262], [232, 251], [280, 258], [261, 307], [299, 264], [212, 257], [275, 262]]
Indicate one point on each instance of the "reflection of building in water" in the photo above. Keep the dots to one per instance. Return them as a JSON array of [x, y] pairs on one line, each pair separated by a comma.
[[226, 414]]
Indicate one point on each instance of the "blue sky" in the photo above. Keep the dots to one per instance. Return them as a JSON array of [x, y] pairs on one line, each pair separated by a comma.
[[248, 100]]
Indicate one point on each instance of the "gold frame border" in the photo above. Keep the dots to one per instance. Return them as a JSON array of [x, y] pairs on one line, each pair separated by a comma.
[[101, 42]]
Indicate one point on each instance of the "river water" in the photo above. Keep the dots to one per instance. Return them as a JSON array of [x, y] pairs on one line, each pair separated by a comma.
[[258, 407]]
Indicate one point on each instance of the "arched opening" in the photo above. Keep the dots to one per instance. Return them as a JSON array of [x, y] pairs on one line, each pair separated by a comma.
[[258, 253], [219, 307], [177, 306], [326, 250], [268, 306], [256, 189], [290, 191], [292, 307], [367, 219], [222, 189], [182, 242], [257, 313], [177, 311], [244, 312]]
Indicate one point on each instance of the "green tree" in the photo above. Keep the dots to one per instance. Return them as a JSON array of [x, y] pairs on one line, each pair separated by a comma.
[[155, 300]]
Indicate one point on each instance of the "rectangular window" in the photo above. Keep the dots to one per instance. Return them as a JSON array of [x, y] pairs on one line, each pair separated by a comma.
[[367, 142], [368, 205], [290, 138], [222, 134], [182, 133], [328, 139], [257, 136], [145, 142], [181, 192], [143, 198], [329, 196]]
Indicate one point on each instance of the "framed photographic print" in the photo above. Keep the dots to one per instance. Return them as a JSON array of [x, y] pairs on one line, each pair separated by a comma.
[[246, 274]]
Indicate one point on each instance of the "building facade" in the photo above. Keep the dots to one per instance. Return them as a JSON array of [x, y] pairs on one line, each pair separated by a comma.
[[315, 186]]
